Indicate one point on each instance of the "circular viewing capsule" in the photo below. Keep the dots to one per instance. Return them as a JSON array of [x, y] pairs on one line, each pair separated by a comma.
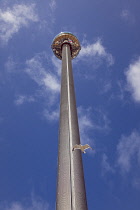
[[65, 37]]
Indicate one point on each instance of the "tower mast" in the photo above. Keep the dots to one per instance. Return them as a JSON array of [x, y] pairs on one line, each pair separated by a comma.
[[71, 193]]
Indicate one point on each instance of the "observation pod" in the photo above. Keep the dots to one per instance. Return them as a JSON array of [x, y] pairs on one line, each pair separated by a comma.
[[65, 38], [71, 193]]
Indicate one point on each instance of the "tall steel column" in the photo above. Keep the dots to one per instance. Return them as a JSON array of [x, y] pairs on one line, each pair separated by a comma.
[[71, 194]]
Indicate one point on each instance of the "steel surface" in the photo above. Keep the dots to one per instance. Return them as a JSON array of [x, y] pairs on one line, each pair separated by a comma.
[[71, 194]]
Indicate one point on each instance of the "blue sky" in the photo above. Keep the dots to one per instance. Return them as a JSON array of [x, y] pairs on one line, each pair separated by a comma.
[[107, 84]]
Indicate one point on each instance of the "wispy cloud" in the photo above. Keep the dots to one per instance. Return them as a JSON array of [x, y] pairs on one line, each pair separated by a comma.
[[127, 16], [52, 5], [51, 116], [44, 72], [95, 50], [128, 151], [51, 15], [34, 204], [85, 125], [127, 159], [121, 94], [136, 183], [107, 87], [21, 99], [10, 65], [57, 64], [12, 19], [133, 79], [106, 167], [91, 120], [48, 83]]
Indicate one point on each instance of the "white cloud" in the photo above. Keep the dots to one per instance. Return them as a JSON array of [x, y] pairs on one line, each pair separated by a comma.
[[51, 82], [133, 79], [12, 19], [95, 50], [37, 72], [21, 99], [35, 204], [106, 168], [128, 151]]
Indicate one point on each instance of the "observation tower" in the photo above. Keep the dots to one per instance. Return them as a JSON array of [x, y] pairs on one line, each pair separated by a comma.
[[71, 193]]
